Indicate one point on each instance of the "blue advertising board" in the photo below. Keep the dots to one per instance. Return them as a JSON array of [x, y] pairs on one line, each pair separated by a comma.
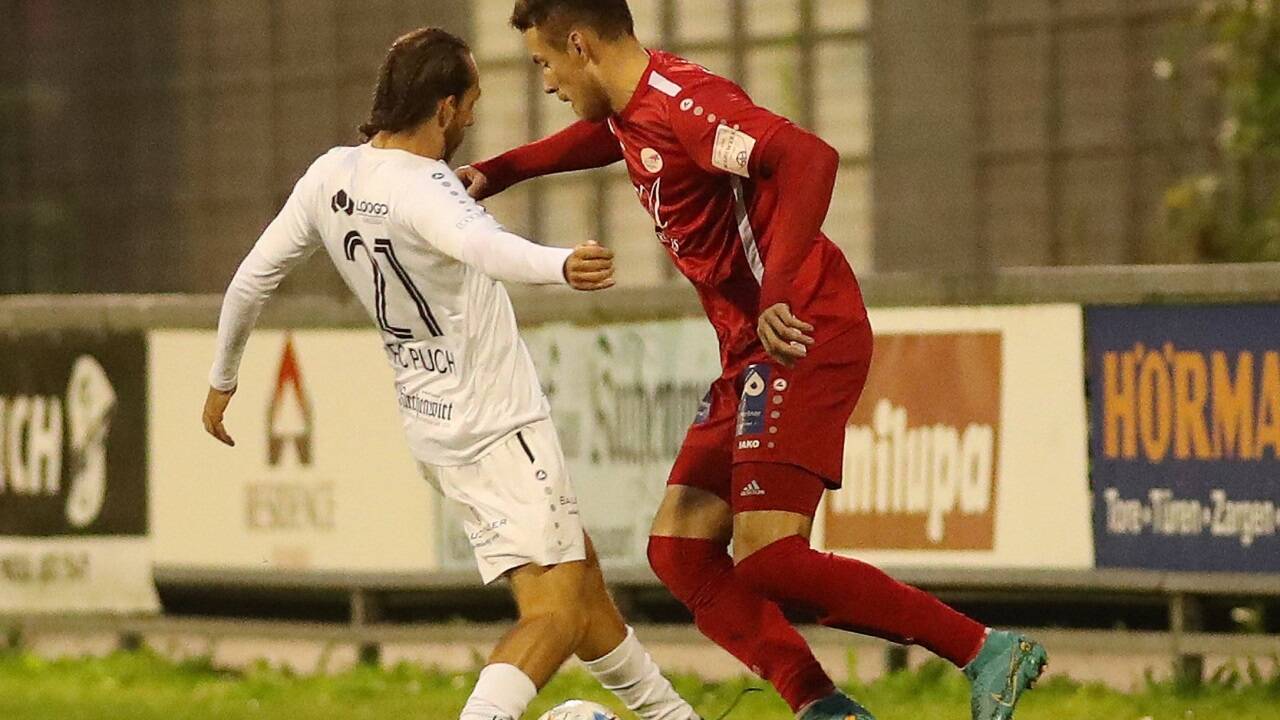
[[1184, 408]]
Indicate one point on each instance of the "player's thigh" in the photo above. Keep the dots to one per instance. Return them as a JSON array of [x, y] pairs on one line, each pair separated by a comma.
[[696, 502], [757, 530], [689, 512], [518, 503], [772, 501]]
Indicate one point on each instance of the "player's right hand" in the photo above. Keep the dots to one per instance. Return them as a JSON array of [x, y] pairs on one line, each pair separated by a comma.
[[215, 405], [783, 334], [474, 181], [589, 267]]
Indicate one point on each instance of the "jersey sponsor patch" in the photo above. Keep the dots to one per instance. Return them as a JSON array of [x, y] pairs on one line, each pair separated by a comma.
[[751, 408], [652, 160], [732, 151]]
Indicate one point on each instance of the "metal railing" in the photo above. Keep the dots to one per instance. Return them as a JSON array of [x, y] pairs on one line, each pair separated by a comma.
[[365, 593]]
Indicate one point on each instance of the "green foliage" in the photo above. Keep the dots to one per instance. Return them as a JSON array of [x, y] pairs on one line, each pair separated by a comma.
[[144, 686], [1232, 213]]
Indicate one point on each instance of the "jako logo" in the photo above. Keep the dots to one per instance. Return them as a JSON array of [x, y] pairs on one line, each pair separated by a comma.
[[289, 420], [36, 425]]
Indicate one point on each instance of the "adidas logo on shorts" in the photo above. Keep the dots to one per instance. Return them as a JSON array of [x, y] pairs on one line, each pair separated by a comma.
[[753, 488]]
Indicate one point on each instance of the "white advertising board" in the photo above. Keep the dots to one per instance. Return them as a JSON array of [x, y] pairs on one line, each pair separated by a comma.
[[320, 479], [968, 447]]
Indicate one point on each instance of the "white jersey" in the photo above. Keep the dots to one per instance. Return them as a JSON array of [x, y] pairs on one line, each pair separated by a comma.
[[425, 261]]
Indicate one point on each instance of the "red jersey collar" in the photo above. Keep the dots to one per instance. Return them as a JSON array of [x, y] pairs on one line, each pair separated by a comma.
[[641, 87]]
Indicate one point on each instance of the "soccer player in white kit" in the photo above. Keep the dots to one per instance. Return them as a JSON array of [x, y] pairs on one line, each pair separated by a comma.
[[427, 263]]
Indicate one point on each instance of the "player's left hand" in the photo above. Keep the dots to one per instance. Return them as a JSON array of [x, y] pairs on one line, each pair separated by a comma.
[[215, 405], [783, 334]]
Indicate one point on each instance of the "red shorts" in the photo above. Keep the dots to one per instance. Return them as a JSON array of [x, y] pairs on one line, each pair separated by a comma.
[[768, 413]]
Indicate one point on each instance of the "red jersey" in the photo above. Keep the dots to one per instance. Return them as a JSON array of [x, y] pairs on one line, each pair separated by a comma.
[[692, 142], [690, 139]]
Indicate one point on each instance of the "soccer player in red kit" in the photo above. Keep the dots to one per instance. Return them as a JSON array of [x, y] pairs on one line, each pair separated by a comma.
[[738, 195]]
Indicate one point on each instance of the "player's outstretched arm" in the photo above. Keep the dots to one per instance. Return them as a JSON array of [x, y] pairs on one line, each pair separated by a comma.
[[581, 146], [466, 232], [288, 240]]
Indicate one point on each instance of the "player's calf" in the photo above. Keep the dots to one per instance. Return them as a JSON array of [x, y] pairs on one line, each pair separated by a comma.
[[699, 573], [552, 624], [847, 593], [629, 672], [612, 653]]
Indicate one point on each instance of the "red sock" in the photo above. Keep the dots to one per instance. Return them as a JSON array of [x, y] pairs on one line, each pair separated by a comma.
[[852, 595], [700, 574]]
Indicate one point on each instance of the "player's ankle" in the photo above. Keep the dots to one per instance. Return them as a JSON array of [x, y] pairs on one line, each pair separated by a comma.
[[502, 690]]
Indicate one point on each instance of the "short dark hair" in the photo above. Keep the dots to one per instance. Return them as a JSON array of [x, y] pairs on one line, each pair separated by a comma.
[[422, 68], [610, 18]]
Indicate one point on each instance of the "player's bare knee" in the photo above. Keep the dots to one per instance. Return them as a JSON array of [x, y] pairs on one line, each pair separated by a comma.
[[755, 531], [693, 513]]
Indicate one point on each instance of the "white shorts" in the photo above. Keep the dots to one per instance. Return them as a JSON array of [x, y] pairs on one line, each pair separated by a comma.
[[518, 505]]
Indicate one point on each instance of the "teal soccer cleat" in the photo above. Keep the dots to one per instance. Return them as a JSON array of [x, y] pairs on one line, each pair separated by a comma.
[[836, 706], [1007, 666]]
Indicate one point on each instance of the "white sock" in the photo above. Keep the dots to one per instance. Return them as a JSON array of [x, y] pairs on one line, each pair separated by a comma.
[[502, 692], [628, 672]]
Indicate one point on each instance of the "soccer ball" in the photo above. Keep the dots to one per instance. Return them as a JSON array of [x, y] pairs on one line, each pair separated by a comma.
[[579, 710]]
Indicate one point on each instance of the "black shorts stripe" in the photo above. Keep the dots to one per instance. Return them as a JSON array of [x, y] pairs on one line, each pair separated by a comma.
[[525, 445]]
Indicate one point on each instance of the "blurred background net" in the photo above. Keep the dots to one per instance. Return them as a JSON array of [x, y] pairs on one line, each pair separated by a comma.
[[144, 144]]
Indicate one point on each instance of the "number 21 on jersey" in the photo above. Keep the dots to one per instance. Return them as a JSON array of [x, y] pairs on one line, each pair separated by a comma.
[[382, 247]]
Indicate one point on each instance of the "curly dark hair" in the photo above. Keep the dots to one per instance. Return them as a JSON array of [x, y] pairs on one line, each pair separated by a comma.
[[422, 68], [554, 18]]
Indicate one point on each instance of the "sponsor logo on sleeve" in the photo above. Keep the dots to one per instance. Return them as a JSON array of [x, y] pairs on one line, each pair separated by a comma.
[[732, 150]]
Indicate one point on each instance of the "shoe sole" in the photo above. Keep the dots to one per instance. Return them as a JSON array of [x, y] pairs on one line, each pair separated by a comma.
[[1032, 660]]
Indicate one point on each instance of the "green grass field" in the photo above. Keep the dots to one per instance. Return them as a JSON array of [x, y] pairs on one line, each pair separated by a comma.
[[141, 686]]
